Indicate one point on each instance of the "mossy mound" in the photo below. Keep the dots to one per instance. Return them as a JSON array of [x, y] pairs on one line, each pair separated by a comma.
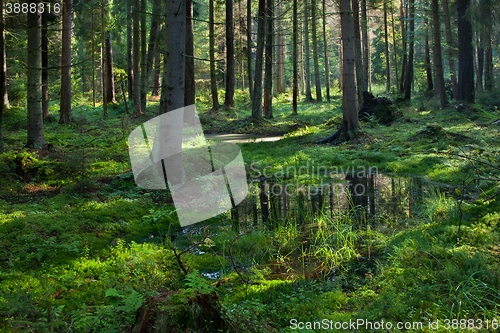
[[381, 109]]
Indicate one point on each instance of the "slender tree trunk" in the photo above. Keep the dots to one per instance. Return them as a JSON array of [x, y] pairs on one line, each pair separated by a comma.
[[307, 66], [45, 65], [249, 48], [2, 73], [213, 75], [156, 77], [295, 83], [402, 18], [137, 59], [130, 65], [65, 106], [154, 31], [190, 86], [450, 41], [488, 65], [110, 75], [438, 58], [360, 81], [104, 91], [386, 51], [268, 78], [466, 54], [230, 70], [480, 60], [411, 50], [144, 83], [36, 137], [325, 43], [280, 50], [428, 68], [257, 89], [395, 50], [314, 29], [366, 45]]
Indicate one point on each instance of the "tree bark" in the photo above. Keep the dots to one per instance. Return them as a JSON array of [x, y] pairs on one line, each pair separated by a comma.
[[488, 65], [130, 64], [438, 58], [295, 55], [428, 68], [411, 50], [480, 60], [450, 41], [45, 65], [360, 81], [137, 59], [314, 29], [249, 48], [268, 78], [307, 52], [65, 106], [190, 86], [155, 91], [110, 75], [366, 45], [466, 54], [325, 43], [280, 50], [35, 133], [257, 88], [402, 18], [213, 75], [144, 73], [386, 51], [104, 91], [230, 70]]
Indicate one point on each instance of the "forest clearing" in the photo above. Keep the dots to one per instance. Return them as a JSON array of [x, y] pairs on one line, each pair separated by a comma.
[[371, 162]]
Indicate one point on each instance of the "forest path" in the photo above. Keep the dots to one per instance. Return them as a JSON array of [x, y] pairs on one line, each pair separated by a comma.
[[241, 138]]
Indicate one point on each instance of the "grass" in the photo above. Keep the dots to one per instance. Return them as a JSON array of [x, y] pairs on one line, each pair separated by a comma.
[[83, 249]]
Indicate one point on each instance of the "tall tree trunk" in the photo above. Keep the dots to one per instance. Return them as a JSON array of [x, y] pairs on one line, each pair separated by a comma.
[[280, 50], [366, 45], [144, 83], [45, 65], [295, 55], [190, 86], [325, 43], [268, 78], [137, 59], [360, 81], [317, 81], [307, 52], [411, 50], [249, 48], [402, 18], [480, 60], [130, 64], [65, 106], [466, 54], [213, 74], [450, 41], [230, 70], [104, 91], [386, 51], [110, 75], [428, 68], [257, 88], [154, 31], [2, 73], [438, 58], [36, 137], [488, 65], [395, 50], [155, 91]]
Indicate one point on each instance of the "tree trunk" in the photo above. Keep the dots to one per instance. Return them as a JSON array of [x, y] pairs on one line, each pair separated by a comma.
[[213, 75], [366, 45], [438, 58], [104, 91], [325, 43], [230, 70], [249, 48], [360, 81], [268, 78], [137, 60], [402, 18], [257, 88], [295, 79], [144, 82], [45, 65], [350, 122], [450, 41], [65, 106], [480, 60], [307, 52], [36, 137], [317, 81], [411, 50], [110, 76], [395, 50], [488, 65], [190, 86], [130, 65], [156, 77], [428, 68], [280, 50], [386, 51], [2, 73], [154, 31], [466, 54]]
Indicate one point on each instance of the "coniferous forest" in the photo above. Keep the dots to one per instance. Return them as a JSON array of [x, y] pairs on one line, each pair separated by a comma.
[[362, 135]]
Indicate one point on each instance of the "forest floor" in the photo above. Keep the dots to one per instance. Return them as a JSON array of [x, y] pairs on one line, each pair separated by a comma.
[[83, 249]]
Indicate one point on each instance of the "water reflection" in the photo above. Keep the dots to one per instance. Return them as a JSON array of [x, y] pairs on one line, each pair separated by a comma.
[[367, 199]]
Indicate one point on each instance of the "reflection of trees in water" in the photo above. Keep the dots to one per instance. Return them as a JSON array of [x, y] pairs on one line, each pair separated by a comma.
[[367, 199]]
